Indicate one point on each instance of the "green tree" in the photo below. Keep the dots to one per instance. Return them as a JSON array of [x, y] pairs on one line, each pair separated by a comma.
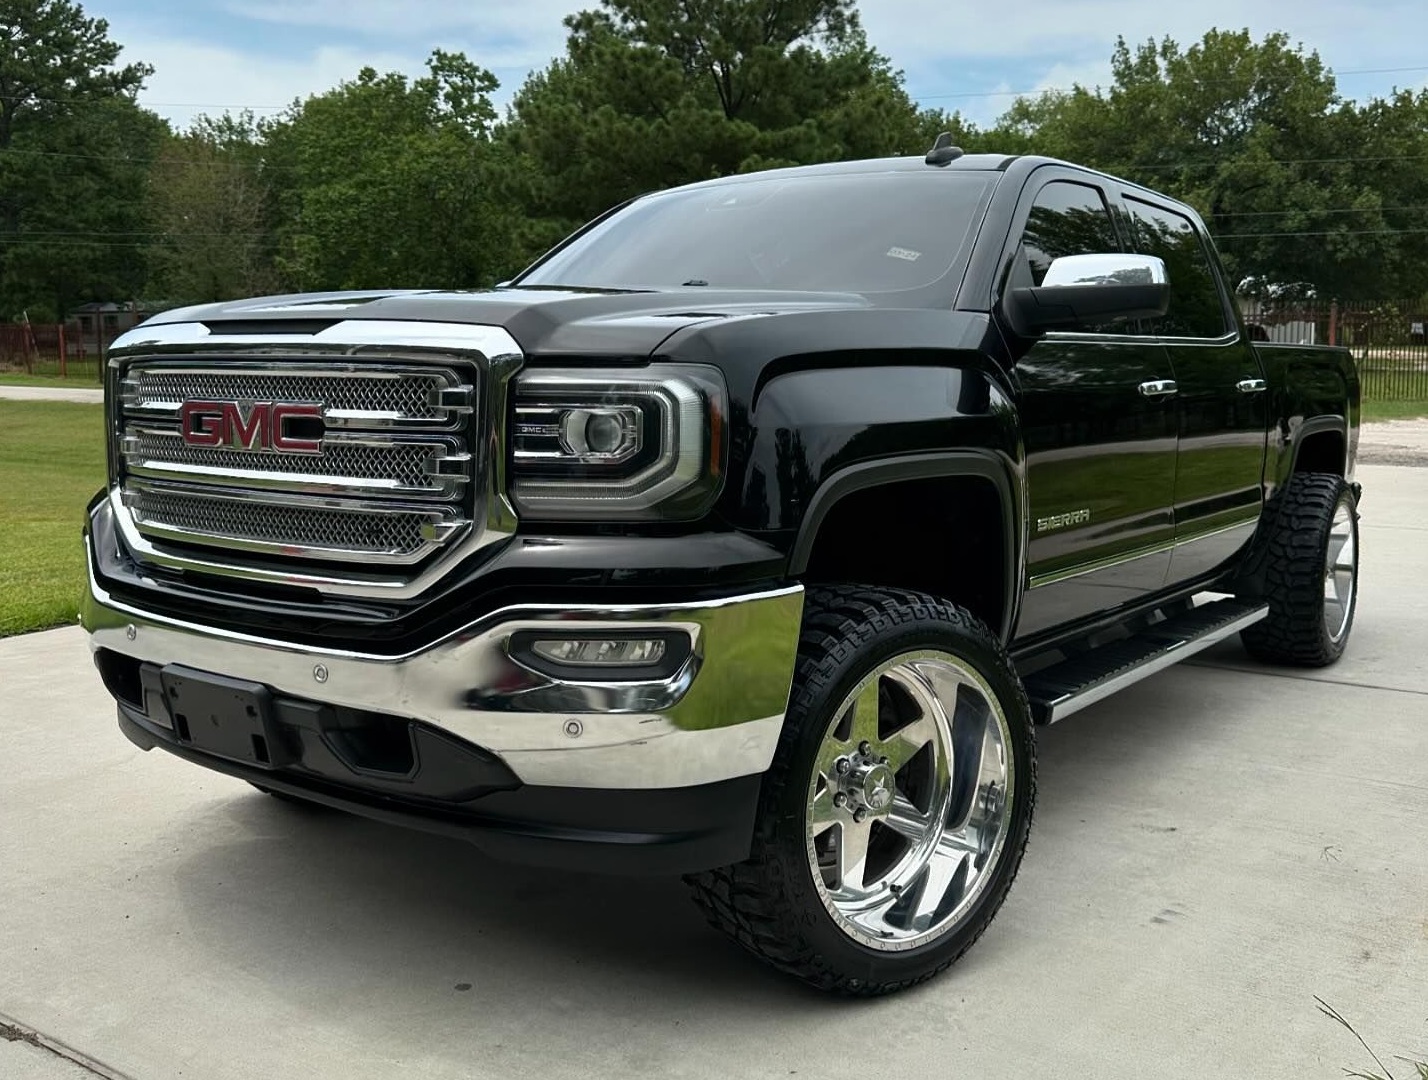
[[653, 93], [74, 153], [212, 214], [385, 182], [1254, 135]]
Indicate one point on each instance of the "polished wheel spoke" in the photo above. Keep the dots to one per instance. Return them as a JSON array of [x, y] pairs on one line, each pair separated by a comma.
[[822, 813], [943, 883], [907, 742], [908, 821], [1340, 572], [895, 872], [1342, 548], [980, 765], [865, 714], [853, 839]]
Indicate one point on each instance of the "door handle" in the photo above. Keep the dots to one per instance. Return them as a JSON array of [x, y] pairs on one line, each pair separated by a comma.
[[1158, 388], [1250, 386]]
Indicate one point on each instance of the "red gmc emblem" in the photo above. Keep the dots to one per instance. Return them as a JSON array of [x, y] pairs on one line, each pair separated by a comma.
[[253, 425]]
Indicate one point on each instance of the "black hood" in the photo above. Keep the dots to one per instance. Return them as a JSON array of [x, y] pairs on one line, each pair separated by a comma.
[[544, 322]]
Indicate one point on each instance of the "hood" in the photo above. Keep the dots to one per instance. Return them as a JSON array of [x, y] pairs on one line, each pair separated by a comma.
[[544, 322]]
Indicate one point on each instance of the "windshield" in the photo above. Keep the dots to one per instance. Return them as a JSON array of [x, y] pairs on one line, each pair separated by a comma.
[[869, 233]]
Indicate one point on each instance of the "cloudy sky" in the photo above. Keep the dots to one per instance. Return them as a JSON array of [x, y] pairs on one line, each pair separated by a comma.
[[216, 54]]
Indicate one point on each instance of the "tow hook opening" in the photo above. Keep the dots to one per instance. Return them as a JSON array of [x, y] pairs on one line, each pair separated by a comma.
[[368, 742]]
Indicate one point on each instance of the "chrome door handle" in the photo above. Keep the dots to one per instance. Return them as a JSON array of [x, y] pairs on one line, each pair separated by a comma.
[[1158, 387], [1250, 386]]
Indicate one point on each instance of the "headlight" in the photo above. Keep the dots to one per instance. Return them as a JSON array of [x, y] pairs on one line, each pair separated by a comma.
[[617, 444]]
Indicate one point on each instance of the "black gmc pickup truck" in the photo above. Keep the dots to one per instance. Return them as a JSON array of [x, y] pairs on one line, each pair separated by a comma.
[[745, 535]]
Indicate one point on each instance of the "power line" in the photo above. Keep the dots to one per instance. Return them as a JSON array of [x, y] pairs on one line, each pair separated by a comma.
[[43, 235], [1232, 163], [1124, 166], [155, 161], [1218, 238], [1346, 72], [1331, 232], [1324, 210], [143, 104], [1038, 92]]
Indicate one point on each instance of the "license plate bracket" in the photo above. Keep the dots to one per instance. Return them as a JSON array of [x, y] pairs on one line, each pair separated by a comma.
[[229, 718]]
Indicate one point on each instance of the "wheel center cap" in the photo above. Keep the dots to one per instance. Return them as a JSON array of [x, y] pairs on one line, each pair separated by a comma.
[[876, 788]]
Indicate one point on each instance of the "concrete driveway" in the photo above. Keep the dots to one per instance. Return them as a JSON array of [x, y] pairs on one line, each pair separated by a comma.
[[87, 395], [1213, 848]]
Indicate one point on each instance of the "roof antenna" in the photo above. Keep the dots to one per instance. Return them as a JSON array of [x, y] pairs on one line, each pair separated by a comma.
[[943, 151]]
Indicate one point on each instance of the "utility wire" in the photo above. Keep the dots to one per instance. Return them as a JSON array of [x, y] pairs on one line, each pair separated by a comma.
[[1285, 77], [27, 242], [1203, 82]]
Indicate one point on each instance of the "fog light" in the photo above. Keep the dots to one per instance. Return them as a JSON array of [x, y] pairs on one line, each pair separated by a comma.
[[615, 652]]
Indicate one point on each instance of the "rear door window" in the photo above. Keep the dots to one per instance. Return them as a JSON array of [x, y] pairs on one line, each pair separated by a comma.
[[1197, 309]]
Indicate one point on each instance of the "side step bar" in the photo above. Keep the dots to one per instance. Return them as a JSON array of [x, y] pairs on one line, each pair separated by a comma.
[[1069, 686]]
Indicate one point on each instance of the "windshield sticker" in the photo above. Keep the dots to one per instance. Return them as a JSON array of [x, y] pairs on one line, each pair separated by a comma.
[[904, 253]]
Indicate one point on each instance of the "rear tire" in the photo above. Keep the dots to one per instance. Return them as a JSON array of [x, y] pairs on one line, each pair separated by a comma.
[[1310, 567], [897, 808]]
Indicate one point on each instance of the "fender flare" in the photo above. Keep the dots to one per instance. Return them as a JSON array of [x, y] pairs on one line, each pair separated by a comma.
[[1319, 425], [983, 465]]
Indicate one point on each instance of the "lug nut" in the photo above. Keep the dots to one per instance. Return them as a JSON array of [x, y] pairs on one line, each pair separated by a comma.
[[841, 766], [840, 799], [882, 761], [859, 814], [865, 748]]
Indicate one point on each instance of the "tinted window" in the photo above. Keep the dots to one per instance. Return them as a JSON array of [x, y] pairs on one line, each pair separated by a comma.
[[870, 234], [1196, 309], [1068, 219]]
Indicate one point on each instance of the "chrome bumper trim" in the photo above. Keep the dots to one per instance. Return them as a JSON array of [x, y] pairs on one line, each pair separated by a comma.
[[718, 717]]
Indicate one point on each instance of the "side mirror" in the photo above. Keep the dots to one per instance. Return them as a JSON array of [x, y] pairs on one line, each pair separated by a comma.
[[1084, 289]]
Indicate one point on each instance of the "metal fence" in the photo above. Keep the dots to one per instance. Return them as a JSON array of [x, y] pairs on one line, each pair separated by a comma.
[[1387, 339], [54, 349]]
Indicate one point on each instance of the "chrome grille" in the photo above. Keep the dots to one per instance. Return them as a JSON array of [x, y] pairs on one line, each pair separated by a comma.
[[404, 396], [345, 532], [410, 467], [389, 483]]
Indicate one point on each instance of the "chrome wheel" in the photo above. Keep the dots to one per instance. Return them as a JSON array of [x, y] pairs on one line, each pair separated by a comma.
[[1341, 565], [909, 805]]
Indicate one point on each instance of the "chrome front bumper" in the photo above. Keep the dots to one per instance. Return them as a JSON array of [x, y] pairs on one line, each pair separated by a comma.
[[716, 718]]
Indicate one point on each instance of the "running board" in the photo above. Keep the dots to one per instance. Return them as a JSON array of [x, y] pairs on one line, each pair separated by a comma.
[[1069, 686]]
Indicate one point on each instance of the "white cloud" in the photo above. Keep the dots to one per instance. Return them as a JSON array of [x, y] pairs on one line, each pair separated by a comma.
[[495, 33], [954, 57], [197, 77], [915, 32]]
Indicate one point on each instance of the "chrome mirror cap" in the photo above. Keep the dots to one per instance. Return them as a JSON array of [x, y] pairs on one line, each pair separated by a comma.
[[1109, 268]]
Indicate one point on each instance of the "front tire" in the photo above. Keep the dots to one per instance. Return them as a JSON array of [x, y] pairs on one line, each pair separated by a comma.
[[899, 802], [1311, 569]]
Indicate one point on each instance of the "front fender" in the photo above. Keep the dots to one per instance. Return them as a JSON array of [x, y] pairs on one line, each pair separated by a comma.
[[809, 425]]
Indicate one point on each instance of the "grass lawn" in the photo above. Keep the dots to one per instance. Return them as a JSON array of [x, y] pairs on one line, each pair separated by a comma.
[[87, 381], [51, 463], [1394, 410]]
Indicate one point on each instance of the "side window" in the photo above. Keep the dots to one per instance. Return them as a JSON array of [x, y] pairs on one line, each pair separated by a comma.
[[1067, 218], [1196, 309]]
